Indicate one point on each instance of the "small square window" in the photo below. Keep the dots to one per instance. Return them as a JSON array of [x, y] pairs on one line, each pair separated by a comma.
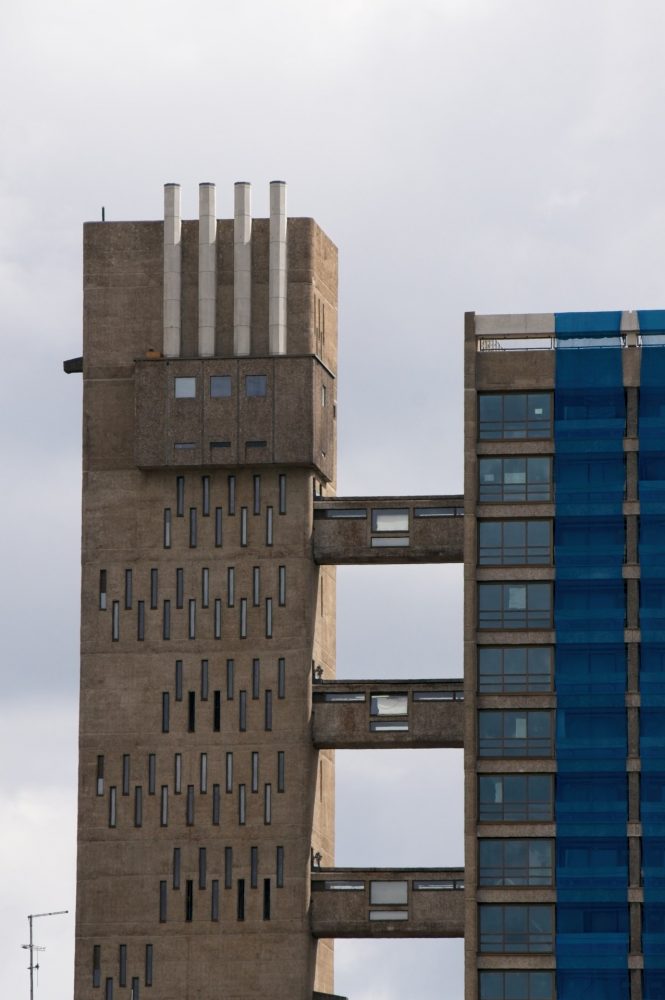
[[220, 386], [390, 519], [185, 387], [256, 385]]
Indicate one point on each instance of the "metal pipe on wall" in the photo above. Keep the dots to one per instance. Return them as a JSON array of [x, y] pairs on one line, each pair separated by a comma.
[[172, 270], [207, 269], [277, 269], [242, 268]]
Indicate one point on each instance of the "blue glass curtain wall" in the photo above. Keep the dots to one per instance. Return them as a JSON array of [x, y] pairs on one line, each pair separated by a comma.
[[592, 919]]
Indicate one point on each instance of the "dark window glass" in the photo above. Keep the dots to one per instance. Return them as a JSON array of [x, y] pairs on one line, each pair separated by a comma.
[[176, 867], [191, 711], [189, 811], [256, 385], [509, 862], [128, 592], [102, 592], [228, 867], [218, 526], [125, 774], [242, 711], [166, 621], [281, 677], [214, 900], [152, 773], [254, 866], [205, 496], [216, 711], [268, 711], [512, 416], [100, 775], [189, 900], [282, 493], [167, 528], [241, 899], [525, 985], [266, 899], [232, 495], [192, 528], [202, 867], [515, 733], [257, 494], [165, 711], [179, 587], [256, 678], [514, 480], [279, 878], [148, 965], [515, 798], [180, 496], [122, 965], [215, 805], [281, 770], [140, 621], [514, 543], [514, 605], [204, 680], [162, 902], [514, 668], [97, 965], [516, 928], [154, 588], [229, 680], [220, 386]]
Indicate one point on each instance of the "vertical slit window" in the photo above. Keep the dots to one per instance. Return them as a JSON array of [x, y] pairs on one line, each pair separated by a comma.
[[268, 617], [192, 619], [165, 711], [154, 588], [268, 525], [214, 900], [255, 771], [282, 493], [205, 499], [177, 777], [148, 965], [229, 771], [257, 494], [108, 994], [215, 805], [100, 774], [232, 495], [192, 528], [125, 774], [267, 804], [218, 527], [241, 899], [102, 590], [256, 678], [162, 901], [152, 773], [122, 965], [191, 711], [179, 587], [140, 621], [115, 621], [266, 899], [166, 621], [190, 805], [135, 988], [230, 586], [279, 868], [242, 805], [281, 677], [242, 711], [164, 806], [243, 526], [203, 773], [229, 680], [282, 586], [228, 867], [189, 900], [204, 680], [280, 770], [180, 496], [202, 867], [254, 867], [128, 589], [256, 586], [217, 711], [178, 680], [138, 806], [218, 618], [205, 587], [243, 617], [97, 965], [268, 711], [167, 527], [176, 867], [113, 807]]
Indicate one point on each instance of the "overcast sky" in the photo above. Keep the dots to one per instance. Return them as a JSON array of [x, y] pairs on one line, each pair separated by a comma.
[[495, 155]]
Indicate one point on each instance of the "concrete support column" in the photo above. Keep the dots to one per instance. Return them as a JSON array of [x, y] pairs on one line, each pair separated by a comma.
[[277, 272], [207, 269], [172, 270], [242, 268]]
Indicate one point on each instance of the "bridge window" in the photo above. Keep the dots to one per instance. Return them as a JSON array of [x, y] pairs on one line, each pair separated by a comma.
[[395, 519]]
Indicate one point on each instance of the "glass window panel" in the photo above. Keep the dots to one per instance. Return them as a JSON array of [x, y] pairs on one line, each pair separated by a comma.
[[220, 386], [256, 385], [391, 893], [390, 520], [185, 387], [389, 704]]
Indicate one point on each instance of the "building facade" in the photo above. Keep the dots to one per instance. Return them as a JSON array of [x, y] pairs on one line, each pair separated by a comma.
[[210, 708]]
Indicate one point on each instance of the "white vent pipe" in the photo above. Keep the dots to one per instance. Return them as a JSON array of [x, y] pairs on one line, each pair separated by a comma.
[[207, 269], [277, 269], [242, 268], [172, 270]]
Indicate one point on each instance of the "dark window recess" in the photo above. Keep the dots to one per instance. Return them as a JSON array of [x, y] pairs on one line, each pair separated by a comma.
[[97, 965], [266, 899], [255, 771], [167, 528], [281, 677], [514, 669], [229, 771], [191, 711], [205, 587], [154, 588], [242, 805], [100, 774], [216, 711], [514, 416], [189, 900], [518, 733], [269, 526], [438, 512], [202, 867], [243, 526], [215, 805], [243, 617], [218, 618], [165, 711], [282, 586], [128, 590], [178, 680], [340, 513], [177, 778], [125, 774], [214, 899], [205, 496], [204, 680], [135, 988], [192, 528], [516, 928], [203, 773], [230, 586], [279, 868], [280, 770], [229, 680], [140, 621], [180, 496], [509, 862], [256, 444], [152, 773], [122, 965], [162, 902], [282, 493], [176, 867], [115, 621], [514, 543], [189, 812], [257, 494], [164, 806], [242, 711], [256, 385], [220, 386], [138, 806], [191, 631], [218, 527], [241, 899], [515, 480], [268, 617], [256, 679], [267, 804], [102, 590], [256, 586], [515, 798], [228, 867], [514, 605], [166, 621], [179, 587], [254, 866], [220, 444], [232, 495], [108, 992], [523, 985], [148, 965], [268, 711]]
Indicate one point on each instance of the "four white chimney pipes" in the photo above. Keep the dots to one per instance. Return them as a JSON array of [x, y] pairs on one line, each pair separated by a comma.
[[242, 270]]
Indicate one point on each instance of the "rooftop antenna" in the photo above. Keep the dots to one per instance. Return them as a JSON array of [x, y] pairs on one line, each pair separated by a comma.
[[33, 947]]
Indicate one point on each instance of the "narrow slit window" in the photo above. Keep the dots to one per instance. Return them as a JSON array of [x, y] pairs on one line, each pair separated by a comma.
[[205, 587], [192, 528], [179, 587], [282, 586], [154, 589], [166, 621], [269, 520], [140, 621], [176, 867], [281, 677], [203, 773], [281, 769], [279, 868], [255, 771], [266, 899], [204, 680], [229, 680], [228, 867], [113, 807], [205, 498], [218, 527], [218, 618], [135, 988], [102, 589], [115, 621], [215, 805], [164, 806], [243, 526], [229, 772], [100, 774], [180, 496], [125, 774], [242, 805], [230, 586], [191, 711], [267, 804], [138, 806], [97, 965], [256, 679], [214, 899], [178, 680], [122, 965], [242, 711], [152, 773], [243, 617], [268, 617], [232, 495], [202, 867], [148, 964], [241, 899], [192, 619], [256, 586], [128, 590], [189, 811], [167, 527], [253, 867], [217, 712], [177, 776], [189, 900], [257, 494], [165, 711], [268, 711], [282, 493], [108, 992]]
